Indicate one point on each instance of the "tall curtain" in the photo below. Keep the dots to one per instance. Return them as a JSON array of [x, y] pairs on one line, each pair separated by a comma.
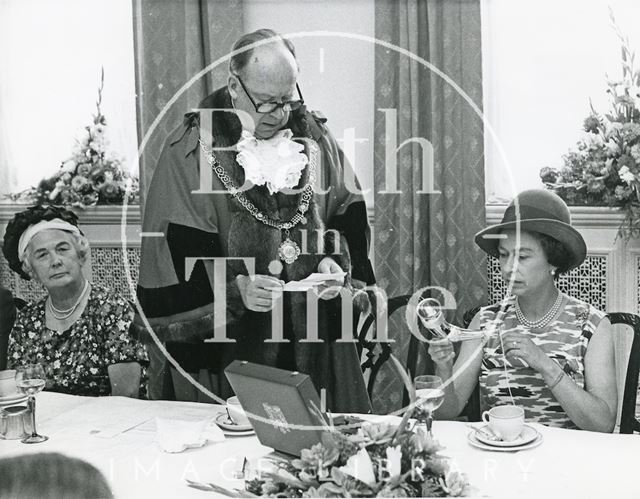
[[173, 41], [427, 239]]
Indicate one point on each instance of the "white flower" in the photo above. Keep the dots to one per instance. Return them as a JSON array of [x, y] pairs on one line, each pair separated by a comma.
[[612, 147], [626, 176], [594, 140], [619, 89], [276, 162], [360, 466], [635, 152], [69, 166], [455, 484], [612, 126], [78, 182]]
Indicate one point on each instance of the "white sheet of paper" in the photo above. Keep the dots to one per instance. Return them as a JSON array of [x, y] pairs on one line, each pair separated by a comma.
[[299, 286], [321, 277], [314, 280]]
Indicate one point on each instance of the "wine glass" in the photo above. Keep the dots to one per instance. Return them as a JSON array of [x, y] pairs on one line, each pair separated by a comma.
[[429, 396], [30, 379]]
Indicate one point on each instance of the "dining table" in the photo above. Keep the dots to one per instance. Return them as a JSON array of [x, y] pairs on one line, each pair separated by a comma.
[[119, 436]]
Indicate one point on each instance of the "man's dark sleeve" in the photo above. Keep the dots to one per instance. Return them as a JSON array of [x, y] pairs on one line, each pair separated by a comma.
[[354, 226], [7, 318], [187, 294]]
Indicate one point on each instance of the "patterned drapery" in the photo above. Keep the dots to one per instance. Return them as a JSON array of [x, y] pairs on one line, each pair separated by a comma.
[[427, 239], [174, 41]]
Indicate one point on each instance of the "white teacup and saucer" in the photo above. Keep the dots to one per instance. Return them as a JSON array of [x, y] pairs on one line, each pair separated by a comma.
[[505, 430]]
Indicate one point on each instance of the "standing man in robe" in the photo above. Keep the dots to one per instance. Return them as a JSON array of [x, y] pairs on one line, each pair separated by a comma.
[[261, 133], [7, 317]]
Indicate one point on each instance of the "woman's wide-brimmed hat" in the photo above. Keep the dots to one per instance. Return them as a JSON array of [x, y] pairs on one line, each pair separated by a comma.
[[541, 211], [21, 222]]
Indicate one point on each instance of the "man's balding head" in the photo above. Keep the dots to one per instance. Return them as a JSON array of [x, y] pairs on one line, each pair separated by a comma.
[[266, 73], [270, 39]]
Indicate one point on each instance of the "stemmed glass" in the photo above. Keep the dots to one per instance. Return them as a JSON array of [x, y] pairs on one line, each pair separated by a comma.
[[30, 379], [429, 396]]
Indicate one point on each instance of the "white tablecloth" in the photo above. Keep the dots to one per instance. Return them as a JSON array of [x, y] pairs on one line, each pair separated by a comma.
[[568, 463]]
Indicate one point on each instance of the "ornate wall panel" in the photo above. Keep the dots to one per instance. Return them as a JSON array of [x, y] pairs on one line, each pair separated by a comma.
[[588, 282]]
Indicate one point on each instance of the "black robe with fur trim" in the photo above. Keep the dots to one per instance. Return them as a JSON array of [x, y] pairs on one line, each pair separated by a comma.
[[179, 307]]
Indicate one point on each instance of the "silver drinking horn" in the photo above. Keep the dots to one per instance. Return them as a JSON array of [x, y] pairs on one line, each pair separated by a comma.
[[430, 314]]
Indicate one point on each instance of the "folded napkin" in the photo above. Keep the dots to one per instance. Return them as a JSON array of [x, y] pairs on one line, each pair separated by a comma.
[[175, 435]]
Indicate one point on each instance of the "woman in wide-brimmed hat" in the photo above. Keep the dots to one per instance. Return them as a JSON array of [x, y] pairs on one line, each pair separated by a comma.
[[79, 332], [544, 351]]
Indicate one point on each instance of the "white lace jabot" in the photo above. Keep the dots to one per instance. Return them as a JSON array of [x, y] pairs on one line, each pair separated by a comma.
[[277, 162]]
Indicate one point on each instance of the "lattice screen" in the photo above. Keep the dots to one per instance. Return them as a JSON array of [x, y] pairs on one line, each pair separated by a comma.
[[588, 282], [107, 268]]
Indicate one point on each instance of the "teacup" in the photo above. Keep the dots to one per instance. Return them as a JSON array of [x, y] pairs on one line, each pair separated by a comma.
[[237, 412], [8, 382], [505, 421]]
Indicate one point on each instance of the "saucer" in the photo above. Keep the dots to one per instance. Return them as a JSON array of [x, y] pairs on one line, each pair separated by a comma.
[[528, 434], [476, 443], [223, 421], [14, 398], [238, 433]]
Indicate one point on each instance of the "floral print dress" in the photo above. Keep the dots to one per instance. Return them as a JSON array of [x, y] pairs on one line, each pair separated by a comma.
[[76, 360]]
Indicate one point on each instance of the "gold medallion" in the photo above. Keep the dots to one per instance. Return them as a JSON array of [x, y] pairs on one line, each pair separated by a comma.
[[288, 251]]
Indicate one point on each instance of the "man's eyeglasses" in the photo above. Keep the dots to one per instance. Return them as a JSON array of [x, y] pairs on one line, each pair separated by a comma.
[[269, 107]]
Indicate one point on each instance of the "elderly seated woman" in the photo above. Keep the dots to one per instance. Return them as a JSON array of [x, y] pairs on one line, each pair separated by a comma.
[[79, 332], [544, 351]]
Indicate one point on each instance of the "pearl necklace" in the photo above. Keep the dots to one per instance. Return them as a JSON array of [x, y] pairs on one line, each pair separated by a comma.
[[65, 314], [544, 320]]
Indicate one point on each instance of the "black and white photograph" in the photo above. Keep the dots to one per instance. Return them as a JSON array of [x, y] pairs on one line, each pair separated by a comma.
[[319, 248]]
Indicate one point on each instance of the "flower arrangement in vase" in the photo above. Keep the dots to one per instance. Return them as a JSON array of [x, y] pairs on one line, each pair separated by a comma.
[[604, 167], [91, 176]]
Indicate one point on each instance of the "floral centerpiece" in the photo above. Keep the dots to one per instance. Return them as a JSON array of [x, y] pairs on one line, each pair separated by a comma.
[[604, 167], [90, 176], [380, 460]]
